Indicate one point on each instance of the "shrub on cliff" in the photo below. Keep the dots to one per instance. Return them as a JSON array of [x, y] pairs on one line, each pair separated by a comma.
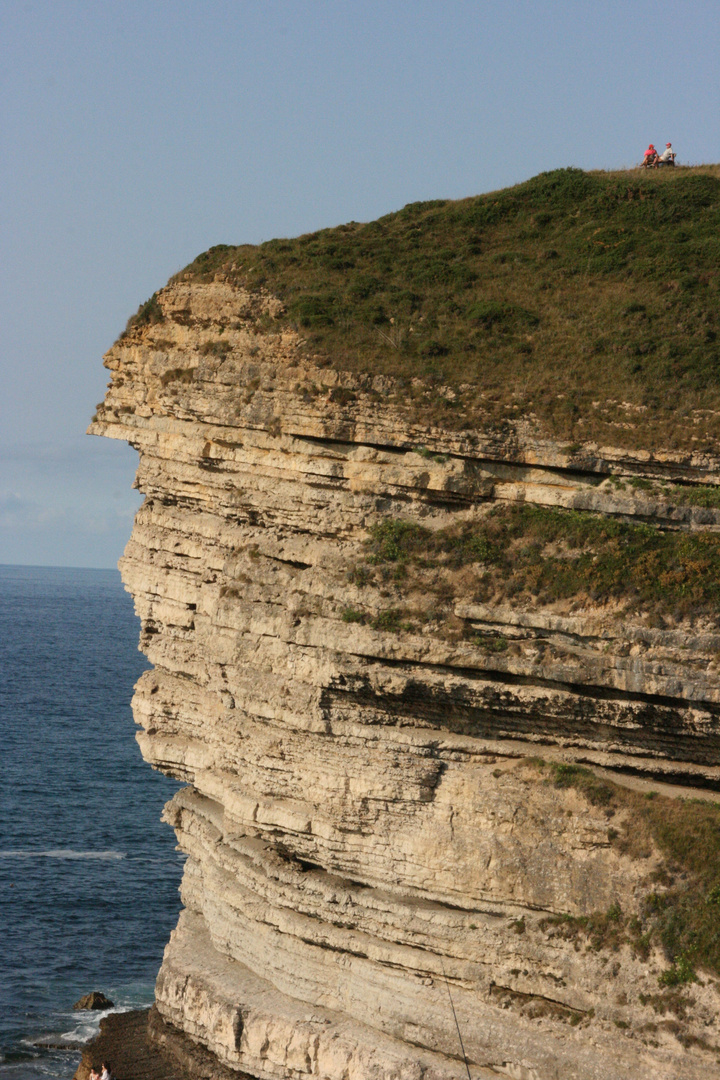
[[147, 314]]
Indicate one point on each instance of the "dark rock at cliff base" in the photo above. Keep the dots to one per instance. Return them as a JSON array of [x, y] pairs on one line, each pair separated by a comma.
[[95, 1000], [141, 1046]]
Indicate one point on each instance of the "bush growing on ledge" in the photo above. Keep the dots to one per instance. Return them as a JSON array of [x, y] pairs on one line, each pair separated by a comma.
[[604, 929], [147, 314], [392, 620], [546, 554], [595, 790], [350, 615], [490, 644], [396, 540]]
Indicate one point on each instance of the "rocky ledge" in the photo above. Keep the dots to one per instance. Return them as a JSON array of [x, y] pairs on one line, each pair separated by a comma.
[[423, 804], [139, 1045]]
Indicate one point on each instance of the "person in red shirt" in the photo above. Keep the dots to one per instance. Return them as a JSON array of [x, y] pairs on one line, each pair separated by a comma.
[[651, 156]]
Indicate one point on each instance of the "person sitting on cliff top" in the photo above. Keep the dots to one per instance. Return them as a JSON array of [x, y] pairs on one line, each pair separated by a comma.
[[650, 157], [94, 1074], [105, 1073], [667, 157]]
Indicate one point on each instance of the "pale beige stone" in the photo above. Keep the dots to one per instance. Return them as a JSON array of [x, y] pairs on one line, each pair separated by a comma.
[[363, 832]]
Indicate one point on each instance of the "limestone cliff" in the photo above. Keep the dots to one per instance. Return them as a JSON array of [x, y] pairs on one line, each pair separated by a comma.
[[382, 817]]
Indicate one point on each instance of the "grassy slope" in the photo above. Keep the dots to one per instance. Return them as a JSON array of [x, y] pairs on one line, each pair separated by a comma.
[[563, 297], [683, 914], [537, 555]]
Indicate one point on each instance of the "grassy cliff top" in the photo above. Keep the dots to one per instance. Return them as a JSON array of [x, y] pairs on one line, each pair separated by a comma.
[[587, 300]]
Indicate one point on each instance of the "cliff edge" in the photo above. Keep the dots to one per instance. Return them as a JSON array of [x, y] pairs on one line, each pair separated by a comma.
[[445, 691]]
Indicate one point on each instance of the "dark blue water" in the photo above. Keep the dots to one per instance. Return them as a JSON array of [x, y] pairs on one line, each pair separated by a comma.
[[88, 874]]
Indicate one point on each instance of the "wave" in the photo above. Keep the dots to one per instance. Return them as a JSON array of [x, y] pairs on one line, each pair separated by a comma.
[[62, 853], [79, 1035]]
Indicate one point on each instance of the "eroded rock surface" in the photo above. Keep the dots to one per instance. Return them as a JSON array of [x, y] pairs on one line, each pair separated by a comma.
[[369, 840]]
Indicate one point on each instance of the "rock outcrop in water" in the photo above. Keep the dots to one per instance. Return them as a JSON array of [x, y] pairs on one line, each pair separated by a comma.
[[94, 1000], [383, 817]]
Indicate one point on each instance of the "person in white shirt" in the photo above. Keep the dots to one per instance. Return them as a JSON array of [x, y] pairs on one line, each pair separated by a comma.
[[105, 1073], [667, 157]]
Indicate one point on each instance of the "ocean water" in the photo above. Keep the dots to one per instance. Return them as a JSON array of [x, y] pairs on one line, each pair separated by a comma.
[[88, 874]]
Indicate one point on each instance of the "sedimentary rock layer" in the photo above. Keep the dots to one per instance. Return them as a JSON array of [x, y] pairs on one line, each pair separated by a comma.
[[372, 850]]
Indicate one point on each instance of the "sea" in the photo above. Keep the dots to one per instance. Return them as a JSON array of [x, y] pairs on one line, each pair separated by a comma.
[[89, 875]]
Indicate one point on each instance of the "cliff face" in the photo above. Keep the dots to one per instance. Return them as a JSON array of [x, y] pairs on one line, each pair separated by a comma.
[[383, 819]]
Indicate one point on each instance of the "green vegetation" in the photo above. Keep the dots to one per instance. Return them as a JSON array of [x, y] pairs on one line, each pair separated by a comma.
[[391, 619], [546, 554], [147, 314], [568, 297], [702, 495], [596, 791], [603, 929], [687, 916], [684, 917], [491, 644], [350, 615], [395, 540]]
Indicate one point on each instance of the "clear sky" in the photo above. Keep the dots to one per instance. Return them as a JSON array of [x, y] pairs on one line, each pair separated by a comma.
[[136, 133]]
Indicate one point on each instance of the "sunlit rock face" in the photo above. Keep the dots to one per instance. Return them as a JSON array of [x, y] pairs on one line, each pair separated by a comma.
[[371, 841]]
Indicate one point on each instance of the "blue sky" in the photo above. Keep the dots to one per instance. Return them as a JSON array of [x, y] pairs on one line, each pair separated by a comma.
[[137, 134]]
